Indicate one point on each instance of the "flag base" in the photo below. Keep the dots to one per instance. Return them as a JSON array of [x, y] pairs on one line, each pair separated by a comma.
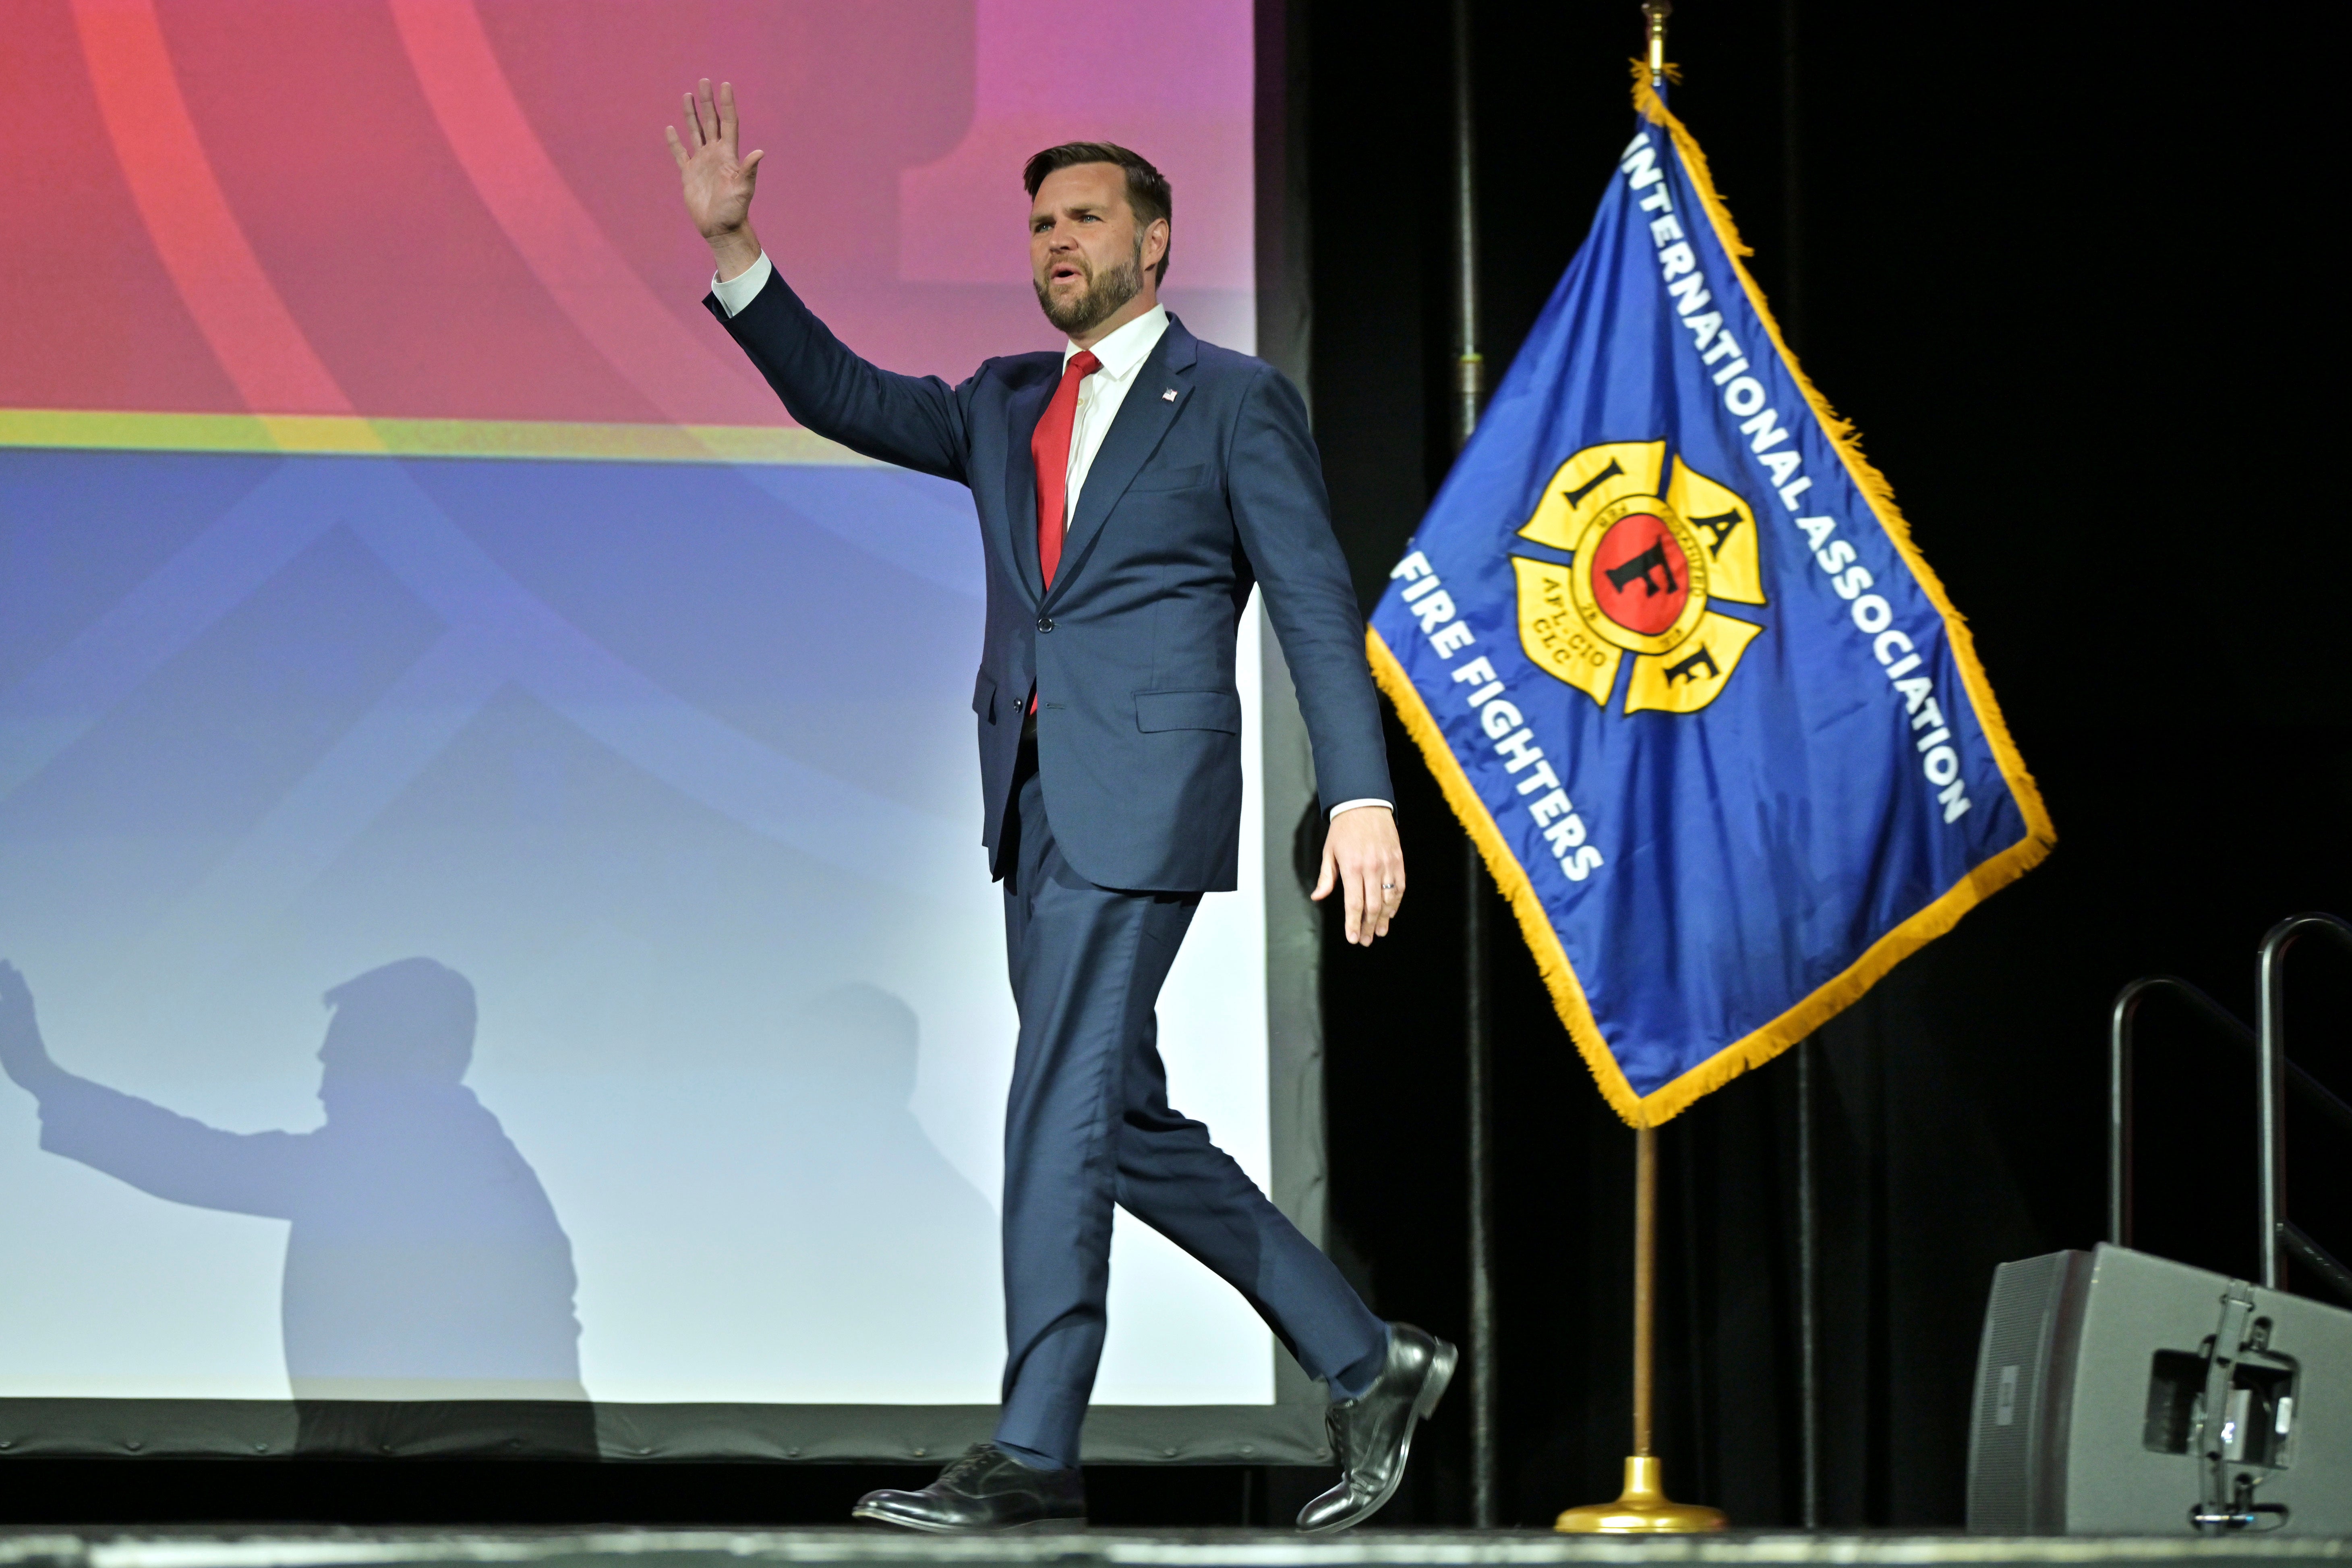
[[1645, 1509]]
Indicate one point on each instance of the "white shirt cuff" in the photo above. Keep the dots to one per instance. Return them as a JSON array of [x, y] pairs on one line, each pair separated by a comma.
[[1352, 804], [740, 290]]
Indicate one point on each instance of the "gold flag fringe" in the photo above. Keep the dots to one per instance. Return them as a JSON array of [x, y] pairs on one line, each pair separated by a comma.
[[1671, 1099]]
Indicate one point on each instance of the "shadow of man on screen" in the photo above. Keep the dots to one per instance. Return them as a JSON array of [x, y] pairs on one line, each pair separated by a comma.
[[425, 1271], [862, 1200]]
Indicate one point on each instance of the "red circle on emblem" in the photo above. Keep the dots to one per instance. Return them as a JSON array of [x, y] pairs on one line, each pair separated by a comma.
[[1640, 578]]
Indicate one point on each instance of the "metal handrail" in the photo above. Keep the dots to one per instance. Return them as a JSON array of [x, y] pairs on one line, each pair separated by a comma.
[[2119, 1084], [2121, 1053], [2271, 1075]]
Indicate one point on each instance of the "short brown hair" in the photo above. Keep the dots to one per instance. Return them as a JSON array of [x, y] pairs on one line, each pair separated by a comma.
[[1147, 195]]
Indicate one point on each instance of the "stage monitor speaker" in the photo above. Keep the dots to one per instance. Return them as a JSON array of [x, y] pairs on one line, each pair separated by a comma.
[[2118, 1393]]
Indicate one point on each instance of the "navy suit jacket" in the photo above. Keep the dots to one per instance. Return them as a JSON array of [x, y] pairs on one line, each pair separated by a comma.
[[1190, 500]]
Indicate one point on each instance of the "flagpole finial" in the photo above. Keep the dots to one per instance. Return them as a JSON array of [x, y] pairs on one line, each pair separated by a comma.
[[1655, 13]]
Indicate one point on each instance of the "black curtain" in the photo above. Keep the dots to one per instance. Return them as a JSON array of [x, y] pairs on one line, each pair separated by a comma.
[[2066, 270]]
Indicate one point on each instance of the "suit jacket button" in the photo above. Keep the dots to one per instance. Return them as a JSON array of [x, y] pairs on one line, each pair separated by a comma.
[[1045, 622]]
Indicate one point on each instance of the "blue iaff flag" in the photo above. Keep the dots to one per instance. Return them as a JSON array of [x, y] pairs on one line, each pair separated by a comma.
[[1669, 648]]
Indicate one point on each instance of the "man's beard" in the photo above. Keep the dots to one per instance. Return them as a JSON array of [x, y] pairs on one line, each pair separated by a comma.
[[1104, 294]]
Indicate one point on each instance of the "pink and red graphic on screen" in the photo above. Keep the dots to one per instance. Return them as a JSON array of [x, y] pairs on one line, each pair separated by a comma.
[[462, 209]]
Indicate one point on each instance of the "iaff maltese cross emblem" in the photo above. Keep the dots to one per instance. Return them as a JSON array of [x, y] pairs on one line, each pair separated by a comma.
[[1649, 564]]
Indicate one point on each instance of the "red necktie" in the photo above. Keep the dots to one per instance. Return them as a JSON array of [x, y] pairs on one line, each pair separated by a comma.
[[1050, 447]]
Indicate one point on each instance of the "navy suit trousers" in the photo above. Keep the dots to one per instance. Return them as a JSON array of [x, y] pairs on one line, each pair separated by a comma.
[[1089, 1125]]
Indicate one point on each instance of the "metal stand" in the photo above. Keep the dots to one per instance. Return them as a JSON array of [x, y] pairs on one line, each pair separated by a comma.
[[1643, 1508], [1470, 387], [1484, 1510], [1809, 1370]]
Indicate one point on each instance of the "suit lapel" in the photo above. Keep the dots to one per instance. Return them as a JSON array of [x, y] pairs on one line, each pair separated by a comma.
[[1019, 541], [1143, 419]]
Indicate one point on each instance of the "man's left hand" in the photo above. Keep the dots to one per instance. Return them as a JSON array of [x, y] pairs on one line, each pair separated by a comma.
[[1362, 856]]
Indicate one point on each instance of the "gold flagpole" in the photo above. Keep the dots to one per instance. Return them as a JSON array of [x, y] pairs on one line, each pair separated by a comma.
[[1645, 1508]]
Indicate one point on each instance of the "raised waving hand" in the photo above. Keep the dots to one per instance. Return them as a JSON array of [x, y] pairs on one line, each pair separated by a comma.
[[718, 183]]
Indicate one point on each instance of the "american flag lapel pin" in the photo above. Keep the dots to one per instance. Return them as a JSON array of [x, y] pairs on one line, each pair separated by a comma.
[[1169, 395]]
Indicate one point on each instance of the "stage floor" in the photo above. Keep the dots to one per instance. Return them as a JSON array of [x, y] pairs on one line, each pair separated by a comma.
[[287, 1548]]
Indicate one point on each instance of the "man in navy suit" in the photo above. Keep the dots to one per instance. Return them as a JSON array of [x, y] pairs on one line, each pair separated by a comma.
[[1131, 490]]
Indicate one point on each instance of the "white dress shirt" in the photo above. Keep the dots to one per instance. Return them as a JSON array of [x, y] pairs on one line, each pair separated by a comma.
[[1122, 354]]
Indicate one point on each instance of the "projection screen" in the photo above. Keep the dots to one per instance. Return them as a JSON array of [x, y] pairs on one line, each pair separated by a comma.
[[406, 588]]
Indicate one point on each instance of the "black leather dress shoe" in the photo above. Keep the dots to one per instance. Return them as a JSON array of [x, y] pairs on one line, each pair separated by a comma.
[[1371, 1434], [987, 1488]]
